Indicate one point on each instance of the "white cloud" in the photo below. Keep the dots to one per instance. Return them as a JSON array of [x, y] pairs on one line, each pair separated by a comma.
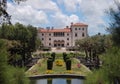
[[32, 12], [94, 11], [48, 12], [70, 5], [25, 14], [62, 20], [46, 5]]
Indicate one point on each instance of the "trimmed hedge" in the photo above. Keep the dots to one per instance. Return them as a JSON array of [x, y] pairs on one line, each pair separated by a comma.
[[64, 57], [68, 64], [49, 64], [53, 56]]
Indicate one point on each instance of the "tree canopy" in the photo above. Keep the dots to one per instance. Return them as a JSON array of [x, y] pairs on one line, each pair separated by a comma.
[[10, 74], [114, 28], [21, 41], [4, 16], [110, 70], [94, 45]]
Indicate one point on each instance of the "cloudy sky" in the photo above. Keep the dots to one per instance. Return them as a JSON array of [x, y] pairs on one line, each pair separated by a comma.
[[60, 13]]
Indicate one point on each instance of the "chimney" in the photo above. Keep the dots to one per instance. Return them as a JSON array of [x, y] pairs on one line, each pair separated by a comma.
[[67, 26], [47, 28], [52, 28], [71, 23]]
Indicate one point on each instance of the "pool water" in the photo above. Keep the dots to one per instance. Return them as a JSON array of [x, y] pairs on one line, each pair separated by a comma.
[[57, 81]]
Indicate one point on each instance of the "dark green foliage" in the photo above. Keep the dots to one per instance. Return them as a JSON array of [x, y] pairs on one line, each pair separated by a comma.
[[68, 81], [49, 64], [17, 75], [3, 64], [114, 28], [46, 48], [9, 74], [109, 73], [95, 45], [97, 77], [67, 60], [112, 63], [64, 56], [53, 56], [49, 81], [68, 64], [23, 39]]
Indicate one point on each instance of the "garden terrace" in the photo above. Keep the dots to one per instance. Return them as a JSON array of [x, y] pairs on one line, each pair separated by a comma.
[[40, 68]]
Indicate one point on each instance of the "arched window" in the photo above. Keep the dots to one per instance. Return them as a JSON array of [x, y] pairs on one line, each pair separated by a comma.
[[82, 28], [83, 34], [75, 34], [75, 28]]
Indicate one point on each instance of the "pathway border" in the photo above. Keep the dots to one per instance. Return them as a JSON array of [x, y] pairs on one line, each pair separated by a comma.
[[57, 76]]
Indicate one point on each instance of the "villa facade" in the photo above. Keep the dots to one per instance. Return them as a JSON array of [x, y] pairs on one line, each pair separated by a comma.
[[64, 37]]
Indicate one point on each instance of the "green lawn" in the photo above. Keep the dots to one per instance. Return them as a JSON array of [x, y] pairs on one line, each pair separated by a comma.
[[41, 68]]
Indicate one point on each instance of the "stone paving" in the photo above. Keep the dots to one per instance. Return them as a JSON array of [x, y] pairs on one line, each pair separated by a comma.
[[61, 50]]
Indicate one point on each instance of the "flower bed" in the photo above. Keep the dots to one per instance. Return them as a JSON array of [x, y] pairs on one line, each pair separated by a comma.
[[59, 62]]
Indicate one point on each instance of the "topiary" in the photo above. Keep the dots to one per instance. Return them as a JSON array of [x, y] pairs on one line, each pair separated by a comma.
[[68, 64], [49, 64]]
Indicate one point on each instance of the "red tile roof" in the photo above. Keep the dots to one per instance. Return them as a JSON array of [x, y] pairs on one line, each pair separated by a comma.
[[67, 29], [79, 24], [54, 30]]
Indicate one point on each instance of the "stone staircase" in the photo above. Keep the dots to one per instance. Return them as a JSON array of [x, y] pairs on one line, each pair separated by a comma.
[[58, 50]]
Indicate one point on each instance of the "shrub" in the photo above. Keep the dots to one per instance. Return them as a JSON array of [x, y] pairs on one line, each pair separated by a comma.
[[78, 65], [69, 71], [49, 64], [59, 62], [49, 72], [97, 77], [53, 56], [64, 56], [50, 58], [68, 64]]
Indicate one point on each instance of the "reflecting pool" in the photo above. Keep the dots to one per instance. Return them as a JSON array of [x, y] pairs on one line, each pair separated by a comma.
[[57, 81]]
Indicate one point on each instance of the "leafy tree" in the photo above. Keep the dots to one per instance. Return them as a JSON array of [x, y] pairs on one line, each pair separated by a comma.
[[114, 28], [4, 16], [97, 77], [95, 45], [111, 57], [9, 74], [109, 73], [111, 64], [3, 64], [18, 76], [21, 41]]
